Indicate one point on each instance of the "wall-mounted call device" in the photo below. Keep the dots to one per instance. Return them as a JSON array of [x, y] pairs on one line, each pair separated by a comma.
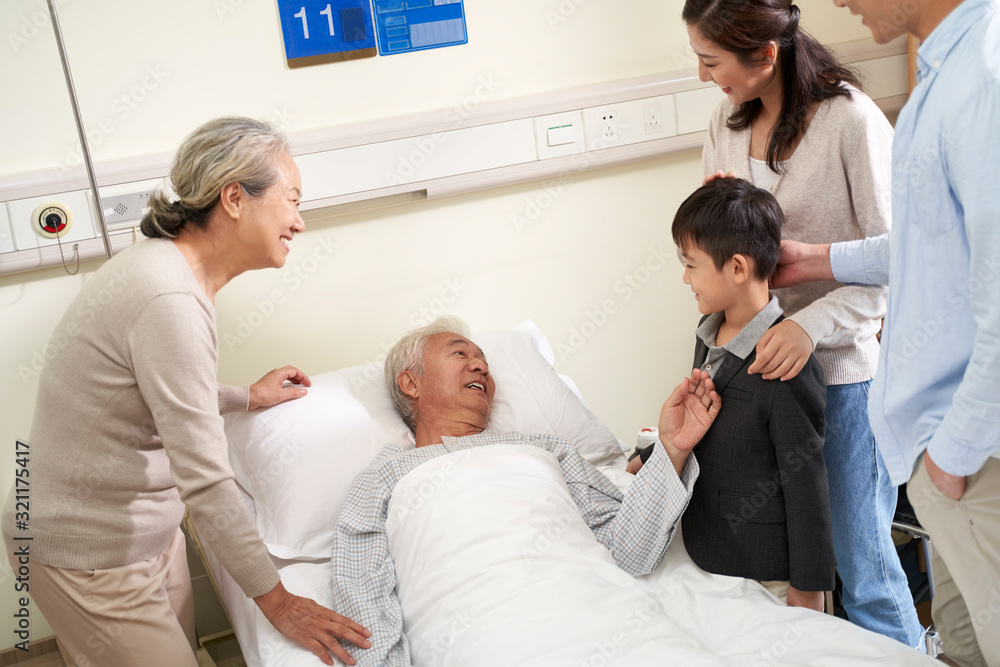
[[51, 220]]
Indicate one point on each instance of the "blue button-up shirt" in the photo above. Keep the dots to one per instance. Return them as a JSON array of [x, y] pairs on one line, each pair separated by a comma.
[[938, 381]]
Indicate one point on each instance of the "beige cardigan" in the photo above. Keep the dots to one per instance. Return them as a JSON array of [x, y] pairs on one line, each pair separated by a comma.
[[127, 427], [835, 187]]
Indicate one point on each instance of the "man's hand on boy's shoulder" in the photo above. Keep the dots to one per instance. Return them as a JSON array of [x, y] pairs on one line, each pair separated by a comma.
[[782, 352]]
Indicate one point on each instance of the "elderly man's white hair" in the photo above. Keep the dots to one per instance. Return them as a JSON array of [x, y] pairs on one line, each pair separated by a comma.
[[408, 355]]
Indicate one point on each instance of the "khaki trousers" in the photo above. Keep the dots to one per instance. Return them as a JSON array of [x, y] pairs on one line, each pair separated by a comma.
[[965, 535], [779, 589], [139, 614]]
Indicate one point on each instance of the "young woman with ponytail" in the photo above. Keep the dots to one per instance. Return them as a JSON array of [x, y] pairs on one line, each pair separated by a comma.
[[796, 123]]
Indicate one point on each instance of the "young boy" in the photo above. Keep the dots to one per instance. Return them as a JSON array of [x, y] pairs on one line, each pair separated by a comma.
[[761, 507]]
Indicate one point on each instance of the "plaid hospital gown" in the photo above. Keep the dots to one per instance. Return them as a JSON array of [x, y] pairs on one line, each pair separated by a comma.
[[635, 527]]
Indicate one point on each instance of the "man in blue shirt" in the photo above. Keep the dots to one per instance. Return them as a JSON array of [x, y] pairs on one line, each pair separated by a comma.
[[934, 404]]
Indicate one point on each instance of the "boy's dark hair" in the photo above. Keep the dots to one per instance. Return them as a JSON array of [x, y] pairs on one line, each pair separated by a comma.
[[729, 216]]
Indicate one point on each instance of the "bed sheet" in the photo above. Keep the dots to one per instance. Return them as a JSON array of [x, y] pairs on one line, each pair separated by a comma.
[[737, 621]]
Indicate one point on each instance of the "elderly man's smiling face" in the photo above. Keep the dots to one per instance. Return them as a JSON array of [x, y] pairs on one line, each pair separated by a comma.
[[456, 385]]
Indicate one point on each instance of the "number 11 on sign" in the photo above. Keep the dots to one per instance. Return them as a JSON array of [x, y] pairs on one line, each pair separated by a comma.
[[328, 12], [322, 27]]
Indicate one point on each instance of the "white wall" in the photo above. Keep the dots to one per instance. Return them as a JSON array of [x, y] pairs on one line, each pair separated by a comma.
[[588, 233], [214, 57]]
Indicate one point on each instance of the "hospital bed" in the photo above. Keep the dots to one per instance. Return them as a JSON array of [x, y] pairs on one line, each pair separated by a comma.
[[295, 464]]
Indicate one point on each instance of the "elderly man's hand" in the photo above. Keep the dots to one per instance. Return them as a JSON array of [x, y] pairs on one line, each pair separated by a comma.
[[687, 415]]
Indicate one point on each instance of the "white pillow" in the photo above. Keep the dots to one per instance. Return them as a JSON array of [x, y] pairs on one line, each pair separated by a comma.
[[298, 459]]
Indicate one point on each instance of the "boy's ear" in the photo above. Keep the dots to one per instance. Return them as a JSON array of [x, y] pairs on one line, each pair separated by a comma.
[[741, 269]]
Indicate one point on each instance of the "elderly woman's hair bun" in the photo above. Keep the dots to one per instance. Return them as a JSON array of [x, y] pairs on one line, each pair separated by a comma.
[[232, 149]]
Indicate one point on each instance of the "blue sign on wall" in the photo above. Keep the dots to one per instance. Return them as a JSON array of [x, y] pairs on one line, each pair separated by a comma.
[[320, 27], [415, 25]]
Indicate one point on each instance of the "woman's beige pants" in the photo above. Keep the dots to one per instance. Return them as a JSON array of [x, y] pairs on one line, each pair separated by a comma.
[[139, 614]]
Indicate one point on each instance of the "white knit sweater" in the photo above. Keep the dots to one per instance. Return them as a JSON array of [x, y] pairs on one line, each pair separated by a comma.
[[836, 187], [127, 427]]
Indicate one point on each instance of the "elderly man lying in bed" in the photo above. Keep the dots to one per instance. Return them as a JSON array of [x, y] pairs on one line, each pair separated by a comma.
[[441, 384]]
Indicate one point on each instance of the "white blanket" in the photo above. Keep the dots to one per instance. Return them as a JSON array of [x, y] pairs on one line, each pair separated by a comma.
[[496, 567]]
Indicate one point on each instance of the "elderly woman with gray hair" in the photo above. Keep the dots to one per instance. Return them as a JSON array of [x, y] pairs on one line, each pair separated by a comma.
[[127, 427]]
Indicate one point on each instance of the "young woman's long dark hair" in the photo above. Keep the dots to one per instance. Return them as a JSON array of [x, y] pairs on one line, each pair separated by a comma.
[[809, 71]]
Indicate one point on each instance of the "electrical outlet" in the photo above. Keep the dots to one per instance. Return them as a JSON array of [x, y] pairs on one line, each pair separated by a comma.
[[652, 118], [617, 123], [609, 127], [125, 208]]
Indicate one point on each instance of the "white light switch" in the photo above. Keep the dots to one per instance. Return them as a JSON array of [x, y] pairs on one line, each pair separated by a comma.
[[558, 134], [561, 134]]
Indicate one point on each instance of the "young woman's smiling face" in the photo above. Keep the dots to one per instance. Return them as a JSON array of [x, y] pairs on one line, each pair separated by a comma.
[[741, 83]]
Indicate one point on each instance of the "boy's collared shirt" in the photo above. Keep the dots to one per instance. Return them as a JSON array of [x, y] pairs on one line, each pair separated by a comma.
[[742, 343]]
